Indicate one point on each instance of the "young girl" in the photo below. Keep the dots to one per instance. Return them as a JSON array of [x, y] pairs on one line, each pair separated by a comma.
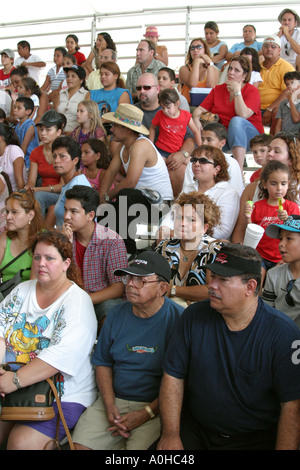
[[90, 124], [73, 48], [277, 205], [30, 89], [56, 74], [12, 157], [172, 122], [95, 159]]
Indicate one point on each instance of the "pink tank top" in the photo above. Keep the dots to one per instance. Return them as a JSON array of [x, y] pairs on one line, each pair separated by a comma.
[[94, 182]]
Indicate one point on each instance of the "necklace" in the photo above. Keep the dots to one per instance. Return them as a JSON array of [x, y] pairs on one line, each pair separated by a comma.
[[187, 254]]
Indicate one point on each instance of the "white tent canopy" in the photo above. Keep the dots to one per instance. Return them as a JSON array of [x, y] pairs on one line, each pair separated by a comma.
[[46, 24]]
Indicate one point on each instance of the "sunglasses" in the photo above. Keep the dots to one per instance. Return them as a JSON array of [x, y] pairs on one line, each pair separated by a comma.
[[145, 87], [200, 160], [287, 50], [288, 298], [198, 47]]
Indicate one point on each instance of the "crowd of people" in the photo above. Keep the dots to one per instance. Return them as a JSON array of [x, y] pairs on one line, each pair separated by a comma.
[[192, 342]]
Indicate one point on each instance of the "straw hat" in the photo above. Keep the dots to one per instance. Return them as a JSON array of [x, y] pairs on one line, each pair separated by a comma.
[[151, 31], [128, 115]]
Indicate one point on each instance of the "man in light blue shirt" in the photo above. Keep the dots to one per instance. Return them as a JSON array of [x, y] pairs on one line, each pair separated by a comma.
[[249, 35]]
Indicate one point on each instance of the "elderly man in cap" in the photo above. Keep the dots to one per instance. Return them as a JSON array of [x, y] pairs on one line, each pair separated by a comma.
[[147, 179], [231, 374], [290, 37], [128, 359], [272, 89]]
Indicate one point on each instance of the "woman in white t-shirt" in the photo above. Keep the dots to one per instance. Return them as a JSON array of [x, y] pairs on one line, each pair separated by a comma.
[[50, 324], [12, 157]]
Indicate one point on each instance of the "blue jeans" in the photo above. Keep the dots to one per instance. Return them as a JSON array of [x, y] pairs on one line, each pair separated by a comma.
[[240, 132], [46, 199]]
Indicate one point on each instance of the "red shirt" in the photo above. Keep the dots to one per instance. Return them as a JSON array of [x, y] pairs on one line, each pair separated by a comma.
[[255, 176], [217, 102], [171, 131], [46, 170], [5, 77], [264, 214], [79, 57], [80, 251]]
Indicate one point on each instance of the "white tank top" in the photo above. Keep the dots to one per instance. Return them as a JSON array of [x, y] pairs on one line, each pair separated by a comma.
[[155, 177]]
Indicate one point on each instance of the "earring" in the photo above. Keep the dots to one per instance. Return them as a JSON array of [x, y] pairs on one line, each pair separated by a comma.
[[29, 222]]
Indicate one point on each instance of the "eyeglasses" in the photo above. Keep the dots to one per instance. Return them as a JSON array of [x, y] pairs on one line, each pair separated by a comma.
[[272, 46], [145, 87], [198, 47], [200, 160], [288, 298], [136, 281]]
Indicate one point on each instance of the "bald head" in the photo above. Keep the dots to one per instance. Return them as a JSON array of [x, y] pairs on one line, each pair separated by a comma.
[[148, 98]]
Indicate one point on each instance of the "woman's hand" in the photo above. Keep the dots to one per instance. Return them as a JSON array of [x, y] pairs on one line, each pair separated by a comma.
[[233, 87], [6, 382]]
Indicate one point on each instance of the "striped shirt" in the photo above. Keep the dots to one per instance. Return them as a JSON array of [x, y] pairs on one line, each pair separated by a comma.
[[56, 77]]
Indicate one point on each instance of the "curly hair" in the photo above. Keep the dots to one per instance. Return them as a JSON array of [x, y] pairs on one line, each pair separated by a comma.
[[217, 156], [61, 242], [204, 206], [268, 169], [28, 202], [110, 44]]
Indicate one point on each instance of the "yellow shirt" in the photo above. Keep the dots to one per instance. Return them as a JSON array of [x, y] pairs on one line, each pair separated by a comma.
[[273, 84]]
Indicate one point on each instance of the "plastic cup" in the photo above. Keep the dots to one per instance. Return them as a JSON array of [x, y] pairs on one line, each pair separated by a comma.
[[253, 235]]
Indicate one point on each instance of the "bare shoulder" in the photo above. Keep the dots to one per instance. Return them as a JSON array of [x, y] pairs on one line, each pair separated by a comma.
[[144, 150], [249, 191]]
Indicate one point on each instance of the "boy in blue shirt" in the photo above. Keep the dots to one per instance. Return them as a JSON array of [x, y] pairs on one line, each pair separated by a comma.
[[25, 129]]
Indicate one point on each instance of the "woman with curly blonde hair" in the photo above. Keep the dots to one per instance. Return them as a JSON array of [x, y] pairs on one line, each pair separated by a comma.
[[191, 246]]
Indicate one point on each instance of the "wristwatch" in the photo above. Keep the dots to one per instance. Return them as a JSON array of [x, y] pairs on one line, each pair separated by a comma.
[[185, 153], [106, 197], [16, 381], [270, 110], [237, 94], [173, 291]]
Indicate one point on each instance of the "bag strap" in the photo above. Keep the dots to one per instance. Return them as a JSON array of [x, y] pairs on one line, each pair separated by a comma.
[[12, 261], [61, 416]]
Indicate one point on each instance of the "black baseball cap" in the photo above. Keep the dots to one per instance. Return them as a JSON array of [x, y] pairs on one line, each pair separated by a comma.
[[77, 69], [147, 263], [228, 265], [292, 224], [50, 118]]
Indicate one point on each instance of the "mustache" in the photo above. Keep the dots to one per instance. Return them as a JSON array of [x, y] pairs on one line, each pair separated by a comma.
[[213, 294]]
